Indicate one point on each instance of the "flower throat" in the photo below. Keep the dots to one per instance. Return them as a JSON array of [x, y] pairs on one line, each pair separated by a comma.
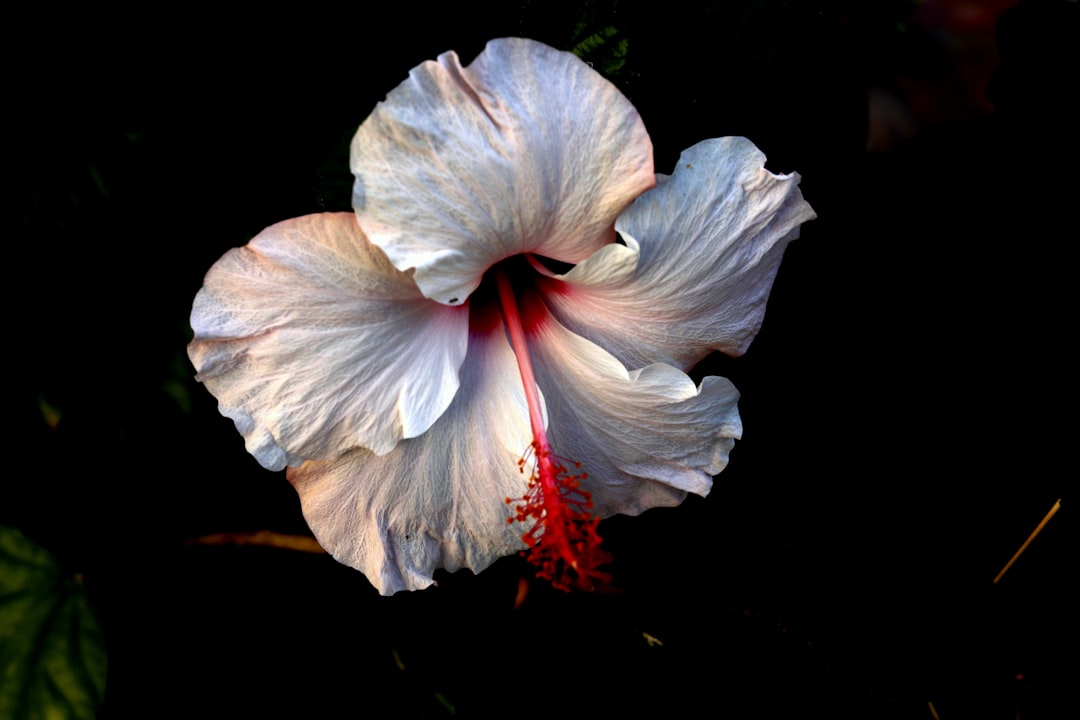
[[562, 539]]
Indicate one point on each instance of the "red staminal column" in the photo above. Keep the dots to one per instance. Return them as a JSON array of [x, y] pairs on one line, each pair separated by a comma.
[[561, 538]]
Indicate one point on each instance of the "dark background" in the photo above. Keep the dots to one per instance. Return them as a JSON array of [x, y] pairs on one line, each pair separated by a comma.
[[907, 406]]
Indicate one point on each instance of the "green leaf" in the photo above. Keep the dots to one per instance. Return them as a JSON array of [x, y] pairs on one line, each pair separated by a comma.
[[52, 652]]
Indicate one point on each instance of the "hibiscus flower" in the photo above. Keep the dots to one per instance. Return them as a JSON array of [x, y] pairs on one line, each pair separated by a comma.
[[490, 354]]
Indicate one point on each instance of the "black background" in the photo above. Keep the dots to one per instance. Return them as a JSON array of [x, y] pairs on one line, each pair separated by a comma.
[[907, 406]]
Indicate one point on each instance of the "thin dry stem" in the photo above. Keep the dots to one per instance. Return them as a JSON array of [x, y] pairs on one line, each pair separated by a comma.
[[265, 538], [1031, 537]]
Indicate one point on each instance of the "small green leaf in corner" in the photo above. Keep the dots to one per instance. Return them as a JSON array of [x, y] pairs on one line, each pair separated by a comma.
[[52, 651]]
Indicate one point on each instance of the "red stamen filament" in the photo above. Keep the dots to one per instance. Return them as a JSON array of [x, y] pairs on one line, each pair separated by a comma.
[[562, 539]]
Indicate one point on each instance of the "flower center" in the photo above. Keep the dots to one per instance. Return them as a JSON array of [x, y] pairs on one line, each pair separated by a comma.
[[562, 539]]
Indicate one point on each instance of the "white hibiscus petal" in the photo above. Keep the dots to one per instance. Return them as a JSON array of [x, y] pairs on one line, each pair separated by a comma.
[[708, 242], [526, 150], [436, 501], [646, 437], [313, 343]]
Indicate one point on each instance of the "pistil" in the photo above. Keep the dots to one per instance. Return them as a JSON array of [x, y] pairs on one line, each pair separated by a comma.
[[561, 538]]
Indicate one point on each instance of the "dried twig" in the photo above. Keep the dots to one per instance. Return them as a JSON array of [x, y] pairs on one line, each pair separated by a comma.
[[1031, 537], [266, 538]]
